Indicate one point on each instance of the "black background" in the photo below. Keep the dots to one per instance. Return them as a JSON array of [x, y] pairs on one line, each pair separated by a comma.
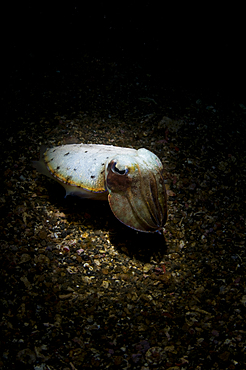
[[200, 46]]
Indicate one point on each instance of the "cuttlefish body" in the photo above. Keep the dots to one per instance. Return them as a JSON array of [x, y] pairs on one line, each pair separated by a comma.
[[132, 180]]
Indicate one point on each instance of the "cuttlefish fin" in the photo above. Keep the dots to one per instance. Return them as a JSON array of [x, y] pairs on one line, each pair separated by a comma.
[[40, 165]]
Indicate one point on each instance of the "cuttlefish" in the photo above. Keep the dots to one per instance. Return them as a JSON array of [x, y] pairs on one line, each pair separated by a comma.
[[131, 180]]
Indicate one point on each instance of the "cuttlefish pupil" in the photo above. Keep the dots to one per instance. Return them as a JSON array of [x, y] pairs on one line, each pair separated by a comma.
[[118, 171]]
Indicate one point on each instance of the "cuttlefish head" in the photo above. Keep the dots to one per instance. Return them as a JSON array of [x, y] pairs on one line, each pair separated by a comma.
[[137, 193]]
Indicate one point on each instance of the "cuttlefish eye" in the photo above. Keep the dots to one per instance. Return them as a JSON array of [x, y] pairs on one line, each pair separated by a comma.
[[119, 170]]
